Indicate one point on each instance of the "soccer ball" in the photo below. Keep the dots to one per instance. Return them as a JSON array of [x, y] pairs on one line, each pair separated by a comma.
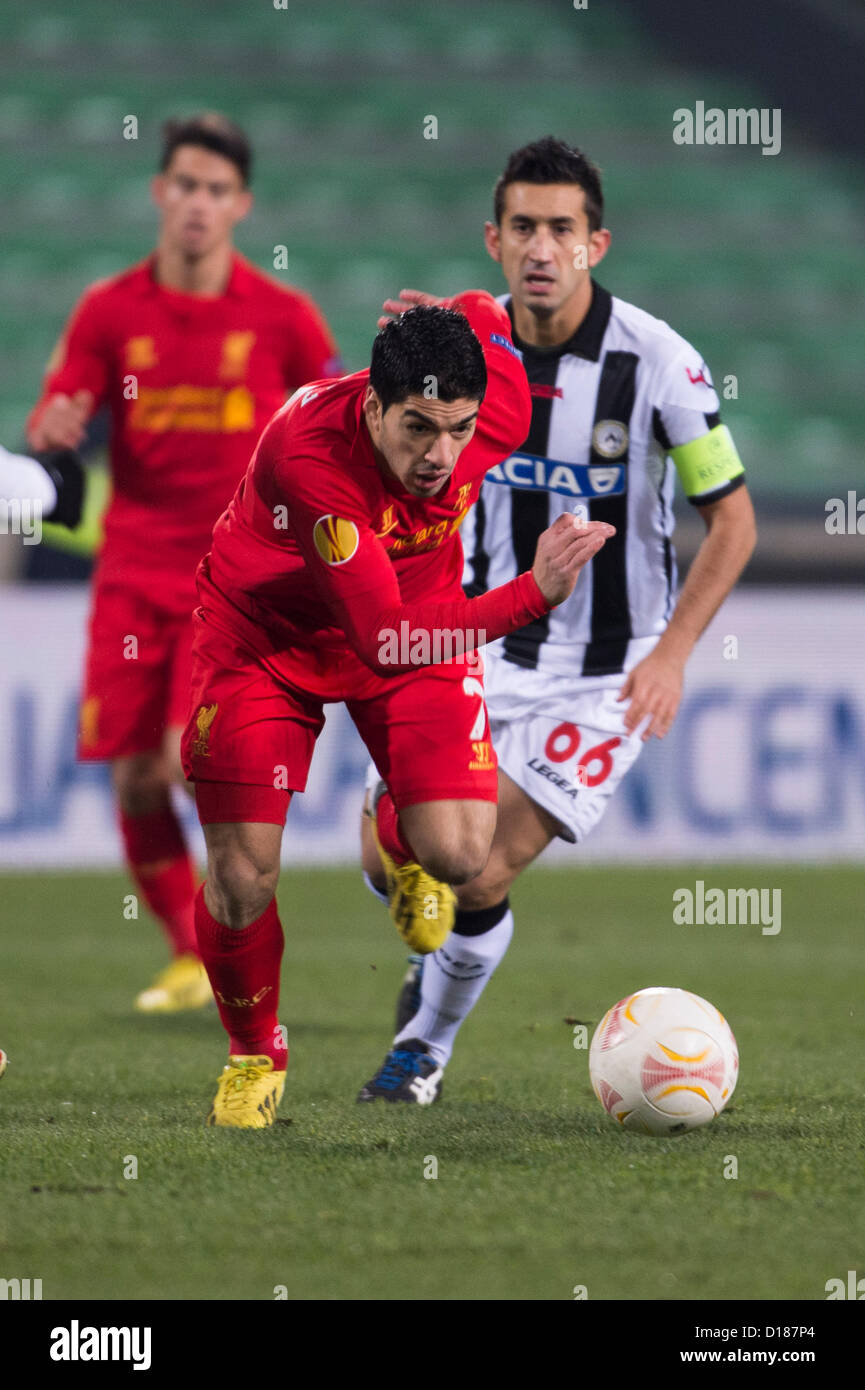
[[663, 1061]]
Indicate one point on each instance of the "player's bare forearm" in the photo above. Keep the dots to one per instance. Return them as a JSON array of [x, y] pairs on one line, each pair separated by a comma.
[[731, 534], [653, 689]]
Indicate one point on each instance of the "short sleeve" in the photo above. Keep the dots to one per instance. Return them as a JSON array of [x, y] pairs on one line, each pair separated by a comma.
[[686, 422]]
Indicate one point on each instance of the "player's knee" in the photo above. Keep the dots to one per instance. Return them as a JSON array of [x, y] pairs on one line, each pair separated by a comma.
[[458, 863], [505, 864], [140, 786], [483, 891], [240, 886]]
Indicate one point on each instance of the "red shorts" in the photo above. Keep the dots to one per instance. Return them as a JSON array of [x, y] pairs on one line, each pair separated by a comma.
[[138, 673], [427, 730]]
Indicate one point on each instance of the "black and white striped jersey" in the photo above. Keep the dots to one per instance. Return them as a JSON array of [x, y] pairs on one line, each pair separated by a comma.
[[608, 406]]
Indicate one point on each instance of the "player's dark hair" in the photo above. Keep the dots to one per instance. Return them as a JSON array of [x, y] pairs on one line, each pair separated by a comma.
[[552, 161], [427, 351], [210, 131]]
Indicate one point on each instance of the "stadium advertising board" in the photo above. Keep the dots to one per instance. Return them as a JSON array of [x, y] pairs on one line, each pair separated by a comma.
[[766, 758]]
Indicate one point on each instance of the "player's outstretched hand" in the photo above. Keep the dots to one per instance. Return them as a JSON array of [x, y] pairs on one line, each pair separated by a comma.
[[562, 551], [653, 690], [408, 299], [62, 423]]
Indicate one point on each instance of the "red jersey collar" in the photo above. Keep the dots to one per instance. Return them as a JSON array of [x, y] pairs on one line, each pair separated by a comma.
[[239, 281]]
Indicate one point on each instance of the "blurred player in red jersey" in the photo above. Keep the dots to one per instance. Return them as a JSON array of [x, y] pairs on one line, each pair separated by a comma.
[[334, 575], [191, 351]]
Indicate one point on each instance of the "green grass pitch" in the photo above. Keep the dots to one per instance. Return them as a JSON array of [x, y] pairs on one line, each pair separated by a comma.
[[537, 1192]]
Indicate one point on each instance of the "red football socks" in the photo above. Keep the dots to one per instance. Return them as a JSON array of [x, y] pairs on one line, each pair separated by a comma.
[[243, 968], [390, 833], [162, 869]]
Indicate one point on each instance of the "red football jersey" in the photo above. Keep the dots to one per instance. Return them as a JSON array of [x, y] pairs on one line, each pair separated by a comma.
[[322, 549], [190, 382]]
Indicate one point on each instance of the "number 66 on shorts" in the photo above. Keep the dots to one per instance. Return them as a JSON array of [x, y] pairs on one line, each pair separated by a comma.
[[565, 746]]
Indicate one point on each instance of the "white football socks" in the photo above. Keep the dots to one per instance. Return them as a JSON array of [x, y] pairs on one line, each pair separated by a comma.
[[454, 977]]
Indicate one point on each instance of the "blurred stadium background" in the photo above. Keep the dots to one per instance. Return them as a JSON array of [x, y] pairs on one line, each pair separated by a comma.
[[759, 260]]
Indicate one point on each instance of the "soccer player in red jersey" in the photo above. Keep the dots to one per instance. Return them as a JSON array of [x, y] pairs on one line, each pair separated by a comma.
[[334, 575], [191, 351]]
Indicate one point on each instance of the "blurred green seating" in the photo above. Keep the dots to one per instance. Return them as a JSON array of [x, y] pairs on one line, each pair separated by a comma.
[[756, 259]]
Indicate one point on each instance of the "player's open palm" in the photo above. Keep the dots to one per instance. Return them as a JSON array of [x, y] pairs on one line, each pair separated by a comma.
[[62, 424], [408, 299], [562, 551], [654, 689]]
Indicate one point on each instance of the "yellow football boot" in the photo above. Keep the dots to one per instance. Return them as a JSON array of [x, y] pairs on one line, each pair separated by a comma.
[[421, 907], [248, 1093], [181, 985]]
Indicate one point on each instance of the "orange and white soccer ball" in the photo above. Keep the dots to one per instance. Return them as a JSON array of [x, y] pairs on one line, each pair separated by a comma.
[[663, 1061]]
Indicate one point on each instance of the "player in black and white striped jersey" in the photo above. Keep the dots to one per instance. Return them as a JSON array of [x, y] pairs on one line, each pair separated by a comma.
[[621, 403]]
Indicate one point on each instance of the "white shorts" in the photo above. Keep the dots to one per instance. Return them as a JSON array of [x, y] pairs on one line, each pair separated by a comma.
[[561, 739]]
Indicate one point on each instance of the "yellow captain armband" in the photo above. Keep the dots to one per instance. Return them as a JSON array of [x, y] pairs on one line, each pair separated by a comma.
[[707, 465]]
